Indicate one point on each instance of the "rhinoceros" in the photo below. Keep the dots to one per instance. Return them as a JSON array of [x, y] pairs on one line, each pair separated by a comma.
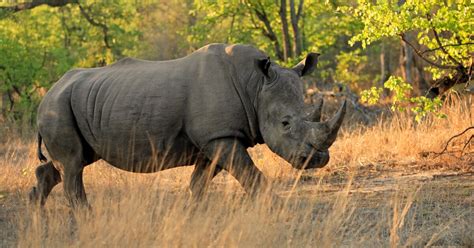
[[204, 109]]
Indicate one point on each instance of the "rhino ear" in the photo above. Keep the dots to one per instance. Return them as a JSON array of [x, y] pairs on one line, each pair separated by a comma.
[[263, 66], [307, 65]]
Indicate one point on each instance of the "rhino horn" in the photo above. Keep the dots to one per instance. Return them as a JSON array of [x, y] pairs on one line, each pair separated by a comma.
[[335, 123], [324, 134], [318, 107]]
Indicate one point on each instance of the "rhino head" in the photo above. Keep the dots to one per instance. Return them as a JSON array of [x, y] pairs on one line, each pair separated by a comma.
[[301, 139]]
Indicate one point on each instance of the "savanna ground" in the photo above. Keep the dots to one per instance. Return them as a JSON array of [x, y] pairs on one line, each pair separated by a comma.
[[381, 188]]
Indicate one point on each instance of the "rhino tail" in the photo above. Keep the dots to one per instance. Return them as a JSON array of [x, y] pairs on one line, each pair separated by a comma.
[[40, 154]]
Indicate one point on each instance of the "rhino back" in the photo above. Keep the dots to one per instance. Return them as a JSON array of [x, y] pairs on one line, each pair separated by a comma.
[[129, 110], [132, 111]]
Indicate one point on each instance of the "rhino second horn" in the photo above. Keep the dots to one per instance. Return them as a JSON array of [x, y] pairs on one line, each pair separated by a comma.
[[335, 123], [318, 108]]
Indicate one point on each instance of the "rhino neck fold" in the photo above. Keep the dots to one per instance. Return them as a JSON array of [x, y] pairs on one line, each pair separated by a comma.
[[247, 103]]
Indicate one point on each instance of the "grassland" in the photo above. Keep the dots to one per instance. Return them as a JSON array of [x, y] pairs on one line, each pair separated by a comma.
[[381, 188]]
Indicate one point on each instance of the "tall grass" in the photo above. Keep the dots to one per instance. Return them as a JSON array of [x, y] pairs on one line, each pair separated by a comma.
[[323, 208]]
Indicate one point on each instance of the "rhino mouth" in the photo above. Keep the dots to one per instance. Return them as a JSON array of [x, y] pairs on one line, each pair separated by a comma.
[[303, 161], [311, 160]]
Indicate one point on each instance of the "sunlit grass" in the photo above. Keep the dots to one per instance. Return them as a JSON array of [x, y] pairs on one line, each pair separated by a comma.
[[362, 198]]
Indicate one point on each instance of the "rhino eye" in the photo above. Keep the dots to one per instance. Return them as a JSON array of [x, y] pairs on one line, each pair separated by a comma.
[[285, 124]]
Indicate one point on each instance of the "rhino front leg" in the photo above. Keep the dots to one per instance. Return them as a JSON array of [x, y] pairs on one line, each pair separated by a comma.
[[204, 171], [232, 156]]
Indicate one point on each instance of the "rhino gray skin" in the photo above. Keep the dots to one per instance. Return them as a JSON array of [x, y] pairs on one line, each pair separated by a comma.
[[147, 116]]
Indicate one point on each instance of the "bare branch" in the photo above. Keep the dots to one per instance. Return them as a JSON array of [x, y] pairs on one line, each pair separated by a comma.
[[453, 137], [35, 3], [267, 29], [300, 10], [443, 49], [450, 45], [460, 65], [105, 29], [402, 36], [467, 143]]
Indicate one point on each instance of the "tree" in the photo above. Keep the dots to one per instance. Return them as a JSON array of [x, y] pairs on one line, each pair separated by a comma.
[[296, 14], [286, 28], [39, 43], [16, 6], [439, 33], [270, 18]]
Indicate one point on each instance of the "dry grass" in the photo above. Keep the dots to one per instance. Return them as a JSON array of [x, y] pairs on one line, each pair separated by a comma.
[[402, 140], [379, 189]]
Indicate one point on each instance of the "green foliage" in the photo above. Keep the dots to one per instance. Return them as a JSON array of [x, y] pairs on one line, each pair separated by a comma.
[[424, 106], [324, 30], [401, 91], [371, 96], [38, 46], [420, 106], [236, 21], [431, 24], [327, 29], [451, 20], [32, 55], [350, 67]]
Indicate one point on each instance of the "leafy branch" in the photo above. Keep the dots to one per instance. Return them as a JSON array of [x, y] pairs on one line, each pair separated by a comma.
[[35, 3], [449, 45], [420, 54], [435, 33], [105, 29], [420, 106]]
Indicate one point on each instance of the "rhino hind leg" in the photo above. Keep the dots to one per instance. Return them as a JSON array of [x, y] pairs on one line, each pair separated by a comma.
[[70, 153], [203, 173], [47, 177], [73, 158]]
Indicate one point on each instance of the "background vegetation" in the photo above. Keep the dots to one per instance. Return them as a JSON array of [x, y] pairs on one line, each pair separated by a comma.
[[425, 45], [387, 184]]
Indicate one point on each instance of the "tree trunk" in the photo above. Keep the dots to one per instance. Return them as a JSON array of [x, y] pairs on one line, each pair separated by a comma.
[[419, 77], [191, 17], [440, 86], [406, 61], [268, 30], [295, 17], [412, 69], [286, 35], [384, 67]]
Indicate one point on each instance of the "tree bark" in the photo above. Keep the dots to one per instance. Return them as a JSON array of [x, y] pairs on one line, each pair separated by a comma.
[[268, 30], [286, 35], [440, 86], [384, 66], [295, 18], [419, 76], [406, 61]]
